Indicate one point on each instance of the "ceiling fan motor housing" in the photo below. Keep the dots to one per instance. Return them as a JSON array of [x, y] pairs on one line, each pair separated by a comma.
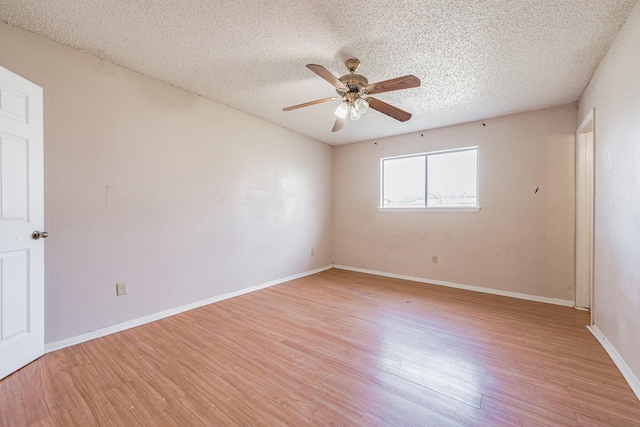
[[355, 82]]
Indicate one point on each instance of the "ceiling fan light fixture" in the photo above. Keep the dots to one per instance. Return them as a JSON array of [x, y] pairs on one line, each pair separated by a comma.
[[343, 110], [354, 114], [361, 105]]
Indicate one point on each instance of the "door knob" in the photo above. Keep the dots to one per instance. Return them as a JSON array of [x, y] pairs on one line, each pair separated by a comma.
[[38, 234]]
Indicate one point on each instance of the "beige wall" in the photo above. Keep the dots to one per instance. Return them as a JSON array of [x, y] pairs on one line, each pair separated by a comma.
[[520, 241], [180, 197], [614, 91]]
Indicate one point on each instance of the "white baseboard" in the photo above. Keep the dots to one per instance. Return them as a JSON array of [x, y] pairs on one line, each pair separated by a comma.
[[88, 336], [622, 366], [518, 295]]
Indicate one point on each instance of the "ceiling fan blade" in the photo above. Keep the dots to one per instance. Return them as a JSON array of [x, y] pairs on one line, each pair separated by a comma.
[[326, 74], [339, 124], [404, 82], [389, 110], [306, 104]]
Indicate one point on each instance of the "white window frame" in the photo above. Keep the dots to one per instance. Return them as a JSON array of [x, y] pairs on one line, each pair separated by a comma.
[[442, 209]]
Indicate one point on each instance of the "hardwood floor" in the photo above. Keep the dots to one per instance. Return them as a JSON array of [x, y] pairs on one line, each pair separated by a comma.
[[335, 348]]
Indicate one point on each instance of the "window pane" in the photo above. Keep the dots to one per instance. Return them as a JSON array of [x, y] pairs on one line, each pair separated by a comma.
[[403, 184], [452, 178]]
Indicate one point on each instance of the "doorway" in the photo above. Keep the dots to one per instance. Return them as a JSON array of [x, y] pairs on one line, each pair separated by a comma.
[[585, 212]]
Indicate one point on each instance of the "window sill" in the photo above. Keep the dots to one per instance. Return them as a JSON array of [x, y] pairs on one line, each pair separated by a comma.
[[443, 210]]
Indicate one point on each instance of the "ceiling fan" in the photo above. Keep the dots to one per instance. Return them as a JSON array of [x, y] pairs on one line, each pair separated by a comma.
[[353, 88]]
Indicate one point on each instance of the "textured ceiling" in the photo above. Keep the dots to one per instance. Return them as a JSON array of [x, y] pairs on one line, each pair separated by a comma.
[[476, 59]]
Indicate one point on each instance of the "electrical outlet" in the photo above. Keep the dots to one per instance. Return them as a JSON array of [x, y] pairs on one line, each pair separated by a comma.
[[313, 252], [434, 259], [121, 288]]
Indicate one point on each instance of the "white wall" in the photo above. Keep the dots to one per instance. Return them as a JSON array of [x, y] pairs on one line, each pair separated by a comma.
[[180, 197], [614, 91], [520, 241]]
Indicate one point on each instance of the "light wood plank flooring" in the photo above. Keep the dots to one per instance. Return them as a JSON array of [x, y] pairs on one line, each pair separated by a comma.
[[335, 348]]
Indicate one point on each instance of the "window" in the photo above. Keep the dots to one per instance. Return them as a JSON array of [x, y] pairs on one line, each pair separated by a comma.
[[450, 179]]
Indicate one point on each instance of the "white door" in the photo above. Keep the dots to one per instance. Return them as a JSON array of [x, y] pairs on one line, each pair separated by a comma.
[[21, 213]]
